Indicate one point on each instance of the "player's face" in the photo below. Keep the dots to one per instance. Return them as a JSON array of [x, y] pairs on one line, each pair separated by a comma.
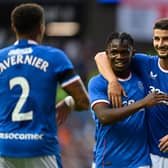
[[120, 54], [160, 42]]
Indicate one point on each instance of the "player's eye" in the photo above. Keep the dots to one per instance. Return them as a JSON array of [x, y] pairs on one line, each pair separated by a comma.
[[114, 52]]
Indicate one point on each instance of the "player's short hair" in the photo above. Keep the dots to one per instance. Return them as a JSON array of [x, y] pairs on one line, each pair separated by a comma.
[[26, 17], [161, 24], [121, 36]]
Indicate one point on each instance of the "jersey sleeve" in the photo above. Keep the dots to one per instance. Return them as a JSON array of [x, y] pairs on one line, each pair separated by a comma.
[[97, 90], [64, 68]]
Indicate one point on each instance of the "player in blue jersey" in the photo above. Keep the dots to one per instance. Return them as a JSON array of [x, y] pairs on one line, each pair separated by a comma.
[[29, 75], [153, 70], [121, 137]]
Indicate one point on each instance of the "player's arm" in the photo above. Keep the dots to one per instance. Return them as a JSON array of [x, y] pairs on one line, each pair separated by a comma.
[[77, 101], [115, 90], [63, 108], [74, 86], [77, 98], [78, 91], [109, 115]]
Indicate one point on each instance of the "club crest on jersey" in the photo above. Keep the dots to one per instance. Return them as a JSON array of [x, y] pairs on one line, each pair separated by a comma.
[[140, 86], [152, 75]]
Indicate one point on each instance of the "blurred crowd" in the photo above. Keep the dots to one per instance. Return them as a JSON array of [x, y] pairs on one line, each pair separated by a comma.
[[76, 140], [77, 134]]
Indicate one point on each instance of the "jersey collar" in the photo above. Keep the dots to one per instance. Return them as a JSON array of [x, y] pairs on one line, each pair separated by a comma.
[[25, 42]]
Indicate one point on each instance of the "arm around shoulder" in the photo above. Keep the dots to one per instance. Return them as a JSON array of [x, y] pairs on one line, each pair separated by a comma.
[[104, 67]]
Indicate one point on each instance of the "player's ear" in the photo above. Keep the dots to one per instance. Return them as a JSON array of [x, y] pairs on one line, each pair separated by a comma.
[[42, 28], [13, 27], [106, 51]]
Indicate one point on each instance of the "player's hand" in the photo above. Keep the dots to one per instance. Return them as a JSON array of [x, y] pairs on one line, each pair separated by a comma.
[[115, 93], [62, 112], [163, 145], [154, 99]]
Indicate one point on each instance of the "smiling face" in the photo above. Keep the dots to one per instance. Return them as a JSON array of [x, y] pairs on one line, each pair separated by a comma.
[[160, 42], [120, 54]]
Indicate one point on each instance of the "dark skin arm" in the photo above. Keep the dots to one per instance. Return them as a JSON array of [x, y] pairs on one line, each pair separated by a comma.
[[63, 112], [77, 90], [109, 115]]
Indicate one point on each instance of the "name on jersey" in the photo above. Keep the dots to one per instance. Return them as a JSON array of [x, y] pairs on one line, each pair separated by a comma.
[[21, 136], [28, 59]]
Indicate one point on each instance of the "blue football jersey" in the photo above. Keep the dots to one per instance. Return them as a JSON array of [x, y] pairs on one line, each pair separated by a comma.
[[29, 74], [123, 144], [155, 79]]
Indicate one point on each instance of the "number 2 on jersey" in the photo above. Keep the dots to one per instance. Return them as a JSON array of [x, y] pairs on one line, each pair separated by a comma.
[[16, 113]]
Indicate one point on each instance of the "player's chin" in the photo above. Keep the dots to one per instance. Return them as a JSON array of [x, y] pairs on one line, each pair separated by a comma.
[[121, 66], [120, 69], [163, 56]]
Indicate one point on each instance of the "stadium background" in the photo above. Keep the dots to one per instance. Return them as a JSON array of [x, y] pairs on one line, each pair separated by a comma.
[[90, 21]]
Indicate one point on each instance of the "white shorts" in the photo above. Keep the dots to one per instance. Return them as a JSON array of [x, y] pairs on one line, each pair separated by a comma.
[[36, 162], [94, 166], [159, 162]]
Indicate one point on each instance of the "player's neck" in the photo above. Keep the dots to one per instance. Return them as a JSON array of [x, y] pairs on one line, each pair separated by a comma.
[[163, 63], [28, 37], [123, 75]]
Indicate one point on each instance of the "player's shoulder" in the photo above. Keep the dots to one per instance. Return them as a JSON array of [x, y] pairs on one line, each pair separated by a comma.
[[6, 49], [96, 80], [51, 49], [142, 58], [52, 53], [146, 56], [141, 55], [97, 77]]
